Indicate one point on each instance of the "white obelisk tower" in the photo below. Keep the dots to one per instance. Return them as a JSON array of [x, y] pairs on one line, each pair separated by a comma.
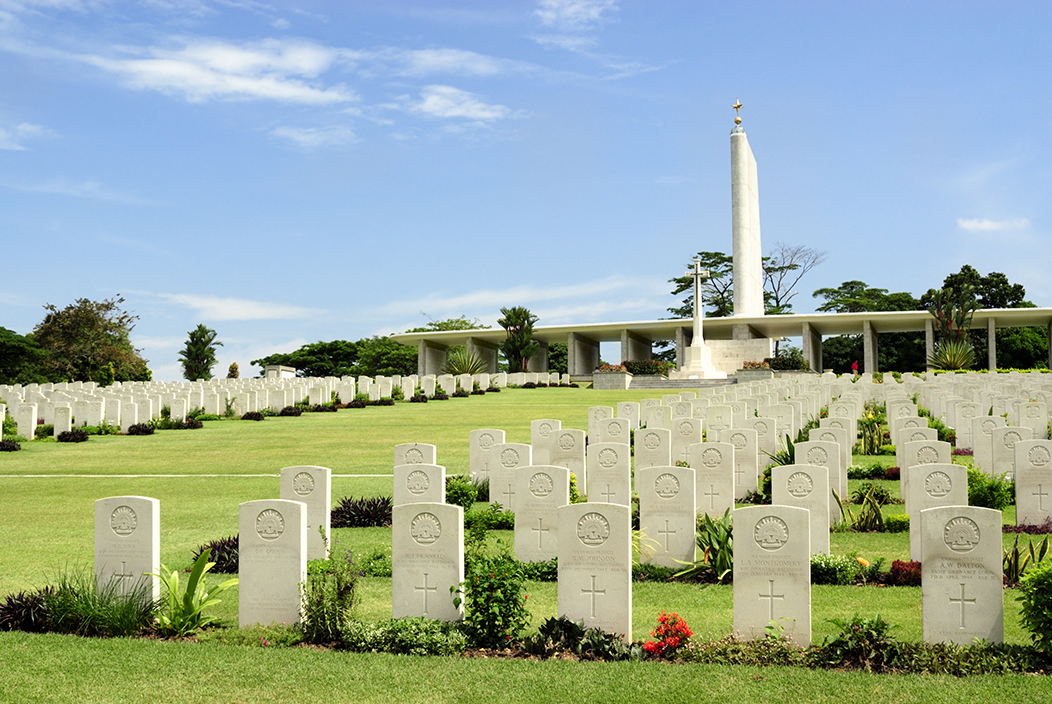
[[745, 224]]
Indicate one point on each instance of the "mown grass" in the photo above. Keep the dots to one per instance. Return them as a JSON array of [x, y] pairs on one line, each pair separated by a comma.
[[49, 525]]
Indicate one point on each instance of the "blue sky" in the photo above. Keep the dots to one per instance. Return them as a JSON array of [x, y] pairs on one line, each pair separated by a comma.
[[302, 171]]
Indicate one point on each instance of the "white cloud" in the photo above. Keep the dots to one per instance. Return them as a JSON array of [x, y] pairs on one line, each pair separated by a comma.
[[280, 23], [446, 101], [217, 308], [85, 189], [424, 62], [573, 14], [985, 225], [313, 137], [564, 41], [12, 138], [203, 69]]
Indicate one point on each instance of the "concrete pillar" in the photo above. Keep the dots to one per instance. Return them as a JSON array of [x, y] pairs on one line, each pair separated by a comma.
[[991, 344], [539, 361], [582, 354], [684, 338], [812, 347], [929, 342], [1050, 344], [430, 357], [487, 352], [745, 228], [869, 347], [635, 347]]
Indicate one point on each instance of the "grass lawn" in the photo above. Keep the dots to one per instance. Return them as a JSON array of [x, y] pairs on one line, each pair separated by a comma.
[[201, 476]]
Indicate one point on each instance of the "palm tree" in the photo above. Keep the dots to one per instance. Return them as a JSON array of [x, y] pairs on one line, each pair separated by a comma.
[[519, 345], [199, 355]]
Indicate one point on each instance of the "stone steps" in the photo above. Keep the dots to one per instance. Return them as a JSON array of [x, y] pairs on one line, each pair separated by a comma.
[[657, 382]]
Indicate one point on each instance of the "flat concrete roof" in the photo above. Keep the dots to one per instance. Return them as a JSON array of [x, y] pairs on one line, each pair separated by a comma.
[[772, 326]]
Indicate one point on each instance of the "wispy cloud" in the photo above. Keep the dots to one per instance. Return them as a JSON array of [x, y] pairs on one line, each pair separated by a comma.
[[84, 189], [314, 137], [204, 69], [218, 308], [13, 138], [574, 14], [450, 102], [985, 225]]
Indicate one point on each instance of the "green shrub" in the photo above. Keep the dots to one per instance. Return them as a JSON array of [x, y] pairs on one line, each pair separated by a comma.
[[190, 424], [833, 569], [102, 428], [376, 564], [224, 552], [1035, 595], [561, 635], [141, 429], [329, 596], [493, 518], [207, 416], [482, 484], [461, 491], [74, 435], [879, 493], [291, 411], [646, 367], [763, 652], [366, 512], [26, 611], [862, 643], [896, 523], [253, 415], [547, 571], [9, 446], [494, 599], [80, 606], [44, 431], [996, 492], [180, 613], [404, 636]]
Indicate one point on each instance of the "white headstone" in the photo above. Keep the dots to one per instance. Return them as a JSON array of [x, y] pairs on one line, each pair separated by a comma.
[[931, 486], [541, 491], [481, 442], [427, 558], [415, 453], [982, 446], [128, 542], [629, 410], [595, 415], [667, 515], [540, 433], [595, 566], [313, 486], [566, 449], [772, 572], [653, 448], [272, 561], [609, 469], [713, 465], [805, 486], [419, 483], [505, 461], [1033, 482], [613, 430], [826, 454], [746, 459], [1002, 443]]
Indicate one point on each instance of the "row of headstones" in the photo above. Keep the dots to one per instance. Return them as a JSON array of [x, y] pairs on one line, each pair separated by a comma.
[[276, 538], [961, 593]]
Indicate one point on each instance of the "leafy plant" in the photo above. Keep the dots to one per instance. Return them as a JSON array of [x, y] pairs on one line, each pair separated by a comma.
[[672, 635], [869, 518], [905, 574], [879, 493], [182, 612], [1018, 561], [784, 455], [291, 411], [225, 553], [376, 564], [561, 635], [26, 611], [140, 429], [715, 538], [44, 431], [952, 355], [460, 491], [329, 596], [253, 415], [833, 569], [199, 355], [462, 361], [78, 604], [374, 511], [519, 344], [996, 492], [482, 484], [9, 446], [404, 636], [1035, 595], [896, 523], [494, 599], [862, 643], [73, 435]]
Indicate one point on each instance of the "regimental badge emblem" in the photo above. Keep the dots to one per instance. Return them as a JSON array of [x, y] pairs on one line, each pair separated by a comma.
[[739, 441], [961, 534], [841, 411], [269, 524], [904, 412], [545, 429], [1011, 438], [666, 486], [566, 441], [827, 437], [607, 457], [613, 429], [686, 429], [968, 411], [818, 457], [771, 533], [711, 457], [937, 484], [593, 529], [987, 426], [303, 484], [123, 520], [599, 414], [414, 456], [651, 441], [425, 528], [836, 424], [1038, 455], [509, 457], [1033, 412], [541, 484], [927, 455], [761, 429], [417, 482], [800, 485], [486, 441]]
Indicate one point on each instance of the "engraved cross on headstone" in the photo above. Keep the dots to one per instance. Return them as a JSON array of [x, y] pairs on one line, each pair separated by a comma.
[[738, 472], [771, 596], [608, 494], [425, 589], [125, 577], [540, 530], [712, 494], [666, 533], [963, 602], [685, 455], [509, 494], [1040, 494], [593, 592]]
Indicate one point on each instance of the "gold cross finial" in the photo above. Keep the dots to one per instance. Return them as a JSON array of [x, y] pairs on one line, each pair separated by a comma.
[[737, 116]]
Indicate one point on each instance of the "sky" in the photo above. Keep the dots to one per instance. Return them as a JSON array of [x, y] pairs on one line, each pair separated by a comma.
[[293, 172]]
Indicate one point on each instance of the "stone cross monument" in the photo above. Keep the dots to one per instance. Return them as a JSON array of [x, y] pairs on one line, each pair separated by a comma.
[[698, 356]]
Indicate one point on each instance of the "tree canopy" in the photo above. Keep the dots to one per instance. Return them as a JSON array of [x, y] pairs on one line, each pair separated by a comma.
[[89, 341], [199, 355], [519, 345]]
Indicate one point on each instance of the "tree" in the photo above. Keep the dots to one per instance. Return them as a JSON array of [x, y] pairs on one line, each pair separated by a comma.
[[519, 346], [382, 356], [459, 323], [232, 372], [199, 355], [782, 270], [22, 361], [717, 293], [335, 358], [82, 338]]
